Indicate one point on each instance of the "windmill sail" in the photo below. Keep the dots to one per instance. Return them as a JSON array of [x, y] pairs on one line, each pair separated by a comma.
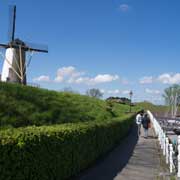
[[36, 47], [12, 23]]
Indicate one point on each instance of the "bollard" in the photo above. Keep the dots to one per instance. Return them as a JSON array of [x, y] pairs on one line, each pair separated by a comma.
[[167, 150], [171, 158]]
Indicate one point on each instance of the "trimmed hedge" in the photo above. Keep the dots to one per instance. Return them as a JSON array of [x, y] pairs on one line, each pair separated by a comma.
[[59, 151]]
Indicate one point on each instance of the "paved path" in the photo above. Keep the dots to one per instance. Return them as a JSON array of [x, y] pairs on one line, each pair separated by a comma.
[[134, 159], [144, 163]]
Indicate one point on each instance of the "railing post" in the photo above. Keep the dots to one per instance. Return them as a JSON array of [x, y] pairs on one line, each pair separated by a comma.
[[159, 136], [171, 158], [161, 139], [167, 150], [155, 125], [164, 144], [178, 173]]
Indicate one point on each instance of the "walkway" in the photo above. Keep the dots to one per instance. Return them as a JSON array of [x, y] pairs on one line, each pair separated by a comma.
[[134, 159]]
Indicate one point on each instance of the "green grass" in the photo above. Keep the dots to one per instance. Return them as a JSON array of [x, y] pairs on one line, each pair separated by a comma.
[[154, 108], [26, 106]]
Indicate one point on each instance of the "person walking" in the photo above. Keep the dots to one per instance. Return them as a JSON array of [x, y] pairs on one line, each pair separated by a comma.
[[139, 117], [146, 124]]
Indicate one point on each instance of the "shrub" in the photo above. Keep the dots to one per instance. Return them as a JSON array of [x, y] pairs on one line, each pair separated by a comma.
[[57, 151]]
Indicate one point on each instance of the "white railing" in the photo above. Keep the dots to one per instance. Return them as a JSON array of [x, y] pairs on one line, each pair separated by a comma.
[[166, 146]]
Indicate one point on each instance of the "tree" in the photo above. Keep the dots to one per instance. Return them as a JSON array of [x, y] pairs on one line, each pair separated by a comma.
[[94, 93], [121, 100], [172, 98]]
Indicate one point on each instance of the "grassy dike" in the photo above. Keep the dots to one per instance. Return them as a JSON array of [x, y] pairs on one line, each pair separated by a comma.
[[77, 130], [22, 106]]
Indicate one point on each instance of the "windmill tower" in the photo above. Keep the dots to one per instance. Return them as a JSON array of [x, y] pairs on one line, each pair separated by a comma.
[[15, 62]]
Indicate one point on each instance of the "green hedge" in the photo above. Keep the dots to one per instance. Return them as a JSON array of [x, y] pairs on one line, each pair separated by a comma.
[[59, 151]]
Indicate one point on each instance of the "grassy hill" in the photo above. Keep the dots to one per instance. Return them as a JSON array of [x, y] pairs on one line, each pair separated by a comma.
[[160, 109], [24, 106]]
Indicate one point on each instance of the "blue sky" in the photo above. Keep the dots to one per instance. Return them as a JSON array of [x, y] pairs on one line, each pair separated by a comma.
[[113, 45]]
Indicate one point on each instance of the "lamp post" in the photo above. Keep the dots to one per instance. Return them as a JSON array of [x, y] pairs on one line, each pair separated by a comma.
[[130, 95]]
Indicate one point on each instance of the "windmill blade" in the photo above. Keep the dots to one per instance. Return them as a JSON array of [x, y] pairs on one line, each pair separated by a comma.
[[4, 46], [12, 23], [36, 47]]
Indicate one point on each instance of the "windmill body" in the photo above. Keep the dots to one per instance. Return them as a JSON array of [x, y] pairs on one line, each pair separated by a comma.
[[14, 67], [7, 70], [11, 71]]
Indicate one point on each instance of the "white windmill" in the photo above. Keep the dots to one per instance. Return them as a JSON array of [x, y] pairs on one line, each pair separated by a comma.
[[15, 64]]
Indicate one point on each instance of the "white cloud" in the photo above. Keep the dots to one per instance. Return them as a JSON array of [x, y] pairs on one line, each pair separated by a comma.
[[146, 80], [152, 91], [165, 78], [124, 7], [103, 78], [80, 80], [71, 75], [69, 72], [169, 79], [65, 71], [116, 91], [59, 79], [126, 92], [103, 91], [42, 78]]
